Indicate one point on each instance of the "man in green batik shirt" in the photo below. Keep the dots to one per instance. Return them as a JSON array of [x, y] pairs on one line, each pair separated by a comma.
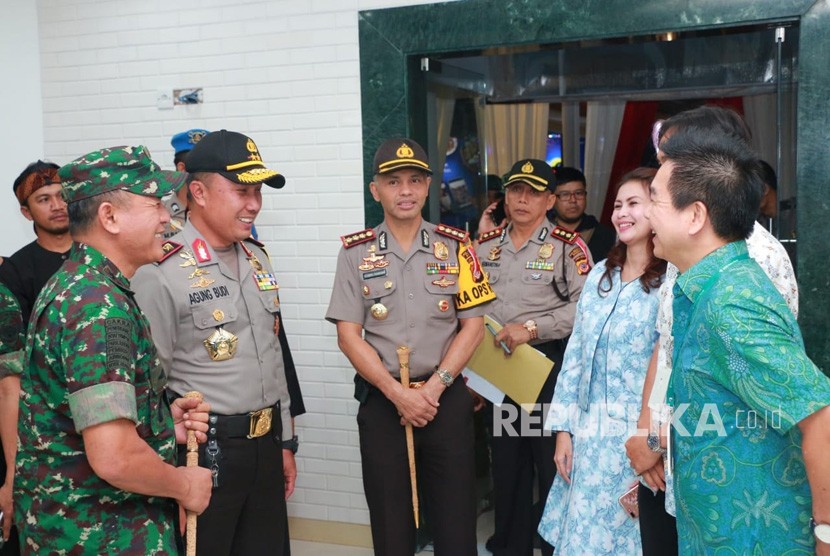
[[94, 474], [741, 380]]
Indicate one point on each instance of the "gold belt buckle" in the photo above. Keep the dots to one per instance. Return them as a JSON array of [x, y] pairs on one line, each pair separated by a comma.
[[260, 422]]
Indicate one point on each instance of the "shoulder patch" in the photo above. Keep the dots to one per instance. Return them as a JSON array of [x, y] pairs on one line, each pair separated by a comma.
[[170, 248], [350, 240], [580, 256], [487, 236], [449, 231], [565, 235]]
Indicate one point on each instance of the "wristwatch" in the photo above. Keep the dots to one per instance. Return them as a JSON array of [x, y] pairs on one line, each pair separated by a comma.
[[446, 377], [653, 443], [821, 531], [530, 326], [293, 444]]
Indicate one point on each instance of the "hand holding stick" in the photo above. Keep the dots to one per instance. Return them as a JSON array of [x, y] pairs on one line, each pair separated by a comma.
[[403, 361], [192, 461]]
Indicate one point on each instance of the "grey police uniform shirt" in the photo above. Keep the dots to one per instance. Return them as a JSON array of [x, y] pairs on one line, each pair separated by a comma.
[[523, 279], [186, 300], [422, 313]]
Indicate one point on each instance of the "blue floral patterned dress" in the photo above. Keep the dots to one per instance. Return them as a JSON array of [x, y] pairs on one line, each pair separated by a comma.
[[597, 399]]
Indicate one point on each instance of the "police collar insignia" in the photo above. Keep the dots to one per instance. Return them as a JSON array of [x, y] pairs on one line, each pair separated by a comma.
[[201, 251]]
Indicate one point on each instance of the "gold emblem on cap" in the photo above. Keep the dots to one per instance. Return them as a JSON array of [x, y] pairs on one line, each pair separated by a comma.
[[545, 251], [218, 315], [405, 151], [379, 311], [251, 146], [527, 168]]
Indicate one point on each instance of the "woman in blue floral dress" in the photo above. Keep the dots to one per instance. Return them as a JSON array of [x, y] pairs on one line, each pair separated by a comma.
[[598, 393]]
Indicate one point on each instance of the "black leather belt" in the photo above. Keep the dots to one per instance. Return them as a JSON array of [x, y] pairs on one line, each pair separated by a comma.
[[248, 425]]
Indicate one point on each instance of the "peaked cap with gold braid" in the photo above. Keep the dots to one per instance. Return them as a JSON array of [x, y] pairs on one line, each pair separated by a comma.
[[397, 153], [536, 173]]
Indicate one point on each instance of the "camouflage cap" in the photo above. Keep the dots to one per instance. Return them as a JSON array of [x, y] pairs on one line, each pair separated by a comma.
[[117, 168], [536, 173], [398, 153]]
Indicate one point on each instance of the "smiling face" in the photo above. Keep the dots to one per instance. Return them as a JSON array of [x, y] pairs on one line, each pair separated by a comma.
[[667, 222], [224, 211], [629, 216], [402, 194], [526, 205], [142, 220], [47, 209]]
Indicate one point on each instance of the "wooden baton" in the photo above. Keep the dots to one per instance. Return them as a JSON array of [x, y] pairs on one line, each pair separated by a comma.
[[403, 361], [192, 461]]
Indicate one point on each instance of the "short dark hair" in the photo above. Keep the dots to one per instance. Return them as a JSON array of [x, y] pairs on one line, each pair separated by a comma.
[[179, 157], [714, 119], [768, 175], [722, 172], [82, 212], [565, 174]]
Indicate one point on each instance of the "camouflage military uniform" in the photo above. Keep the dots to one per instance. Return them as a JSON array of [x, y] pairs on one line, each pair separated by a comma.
[[11, 333], [89, 360]]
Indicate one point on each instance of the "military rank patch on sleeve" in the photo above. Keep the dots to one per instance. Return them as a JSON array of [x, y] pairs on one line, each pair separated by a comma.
[[579, 255], [350, 240], [119, 344]]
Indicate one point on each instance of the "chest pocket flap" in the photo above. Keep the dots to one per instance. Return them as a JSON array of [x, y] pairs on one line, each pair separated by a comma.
[[211, 316], [443, 284], [377, 288]]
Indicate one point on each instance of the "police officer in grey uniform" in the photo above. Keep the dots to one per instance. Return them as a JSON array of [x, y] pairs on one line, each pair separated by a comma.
[[537, 270], [213, 306], [412, 283]]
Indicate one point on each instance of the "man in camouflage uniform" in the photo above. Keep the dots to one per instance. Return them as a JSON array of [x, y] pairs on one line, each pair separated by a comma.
[[409, 282], [11, 345], [97, 440]]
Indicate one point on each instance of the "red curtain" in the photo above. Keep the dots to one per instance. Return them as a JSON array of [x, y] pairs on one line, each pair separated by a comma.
[[635, 134]]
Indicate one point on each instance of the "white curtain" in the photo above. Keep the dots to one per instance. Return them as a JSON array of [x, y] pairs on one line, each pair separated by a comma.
[[759, 114], [602, 131], [511, 132], [571, 132]]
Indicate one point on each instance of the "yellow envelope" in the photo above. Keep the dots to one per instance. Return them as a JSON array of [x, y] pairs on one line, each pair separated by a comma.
[[520, 375]]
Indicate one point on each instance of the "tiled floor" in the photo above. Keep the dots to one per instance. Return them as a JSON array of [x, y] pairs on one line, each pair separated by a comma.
[[304, 548]]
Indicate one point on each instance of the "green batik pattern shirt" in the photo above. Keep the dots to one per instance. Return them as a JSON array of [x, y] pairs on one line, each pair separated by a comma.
[[740, 385], [11, 333], [89, 359]]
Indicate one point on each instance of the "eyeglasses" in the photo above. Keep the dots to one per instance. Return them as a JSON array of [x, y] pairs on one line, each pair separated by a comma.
[[567, 195]]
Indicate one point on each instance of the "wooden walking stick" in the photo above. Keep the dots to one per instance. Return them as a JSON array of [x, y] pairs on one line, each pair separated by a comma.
[[192, 461], [403, 361]]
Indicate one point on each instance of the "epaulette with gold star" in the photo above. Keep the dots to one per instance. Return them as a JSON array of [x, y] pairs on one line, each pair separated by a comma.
[[487, 236], [565, 235], [350, 240], [449, 231], [169, 248]]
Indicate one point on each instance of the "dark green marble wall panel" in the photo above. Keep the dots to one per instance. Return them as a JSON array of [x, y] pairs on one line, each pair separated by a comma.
[[391, 40], [813, 175]]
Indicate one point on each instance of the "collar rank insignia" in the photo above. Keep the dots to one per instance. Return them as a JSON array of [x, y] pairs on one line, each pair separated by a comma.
[[169, 248], [543, 233], [201, 251], [440, 251], [487, 236], [565, 235], [350, 240]]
